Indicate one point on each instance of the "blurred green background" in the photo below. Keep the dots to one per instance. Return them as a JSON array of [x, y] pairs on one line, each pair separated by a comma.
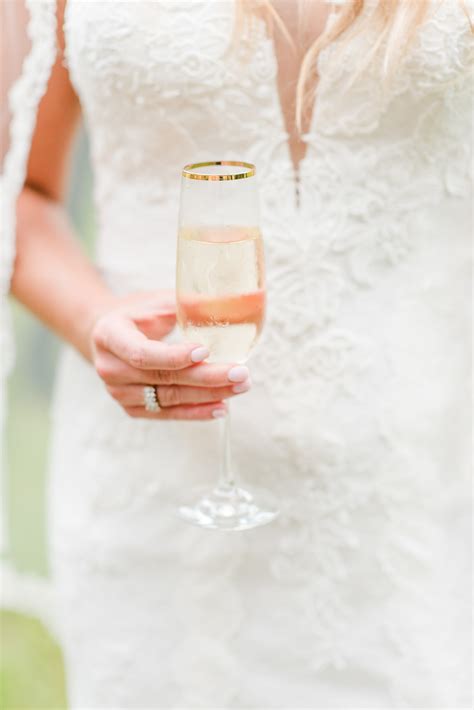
[[31, 668]]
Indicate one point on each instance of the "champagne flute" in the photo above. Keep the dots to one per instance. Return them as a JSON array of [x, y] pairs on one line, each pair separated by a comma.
[[221, 303]]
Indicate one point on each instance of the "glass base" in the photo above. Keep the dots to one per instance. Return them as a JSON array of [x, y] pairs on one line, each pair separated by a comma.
[[229, 509]]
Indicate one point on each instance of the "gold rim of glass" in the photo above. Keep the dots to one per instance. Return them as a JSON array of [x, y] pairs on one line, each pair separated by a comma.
[[189, 170]]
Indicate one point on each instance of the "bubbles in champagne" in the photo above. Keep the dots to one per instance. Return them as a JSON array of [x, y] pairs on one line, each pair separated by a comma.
[[220, 289]]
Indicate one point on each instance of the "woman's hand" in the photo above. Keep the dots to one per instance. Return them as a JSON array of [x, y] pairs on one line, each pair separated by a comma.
[[128, 354]]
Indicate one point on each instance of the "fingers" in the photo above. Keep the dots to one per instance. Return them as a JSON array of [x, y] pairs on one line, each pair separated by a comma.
[[117, 372], [122, 338], [174, 395], [214, 410], [206, 375]]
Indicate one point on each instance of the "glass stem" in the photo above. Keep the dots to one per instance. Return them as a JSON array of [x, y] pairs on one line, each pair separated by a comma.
[[227, 482]]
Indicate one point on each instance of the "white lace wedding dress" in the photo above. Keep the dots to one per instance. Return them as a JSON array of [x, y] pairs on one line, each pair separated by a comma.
[[357, 597]]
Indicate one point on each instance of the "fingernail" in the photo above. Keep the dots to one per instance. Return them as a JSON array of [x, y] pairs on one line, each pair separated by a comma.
[[242, 387], [217, 413], [199, 354], [239, 373]]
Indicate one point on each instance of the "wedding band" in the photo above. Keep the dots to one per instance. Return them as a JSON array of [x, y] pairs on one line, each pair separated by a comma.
[[150, 396]]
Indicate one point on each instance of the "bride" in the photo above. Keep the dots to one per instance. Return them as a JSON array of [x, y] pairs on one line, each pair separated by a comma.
[[357, 115]]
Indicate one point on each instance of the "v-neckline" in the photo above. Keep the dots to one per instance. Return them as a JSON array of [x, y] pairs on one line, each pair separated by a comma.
[[287, 76]]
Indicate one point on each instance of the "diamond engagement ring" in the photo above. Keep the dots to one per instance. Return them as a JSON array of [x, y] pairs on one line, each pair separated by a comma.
[[151, 399]]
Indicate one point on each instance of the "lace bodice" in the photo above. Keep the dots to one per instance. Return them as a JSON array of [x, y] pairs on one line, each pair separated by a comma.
[[360, 377]]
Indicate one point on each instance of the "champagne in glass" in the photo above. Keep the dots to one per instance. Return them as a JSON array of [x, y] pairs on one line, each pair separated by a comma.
[[221, 304], [221, 299]]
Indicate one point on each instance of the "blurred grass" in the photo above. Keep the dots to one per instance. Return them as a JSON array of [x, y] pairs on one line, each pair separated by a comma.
[[31, 666], [30, 647], [27, 438]]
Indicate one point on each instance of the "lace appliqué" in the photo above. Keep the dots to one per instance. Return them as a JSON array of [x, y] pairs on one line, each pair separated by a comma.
[[360, 505]]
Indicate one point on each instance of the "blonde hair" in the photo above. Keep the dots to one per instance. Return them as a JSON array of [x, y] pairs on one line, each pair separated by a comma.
[[396, 21]]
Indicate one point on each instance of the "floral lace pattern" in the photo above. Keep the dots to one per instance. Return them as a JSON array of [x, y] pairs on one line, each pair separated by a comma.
[[354, 404]]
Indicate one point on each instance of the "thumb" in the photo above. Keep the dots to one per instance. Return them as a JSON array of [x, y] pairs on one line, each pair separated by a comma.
[[156, 323]]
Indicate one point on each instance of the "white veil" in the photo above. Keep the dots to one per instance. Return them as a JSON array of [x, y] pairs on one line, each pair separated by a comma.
[[27, 53]]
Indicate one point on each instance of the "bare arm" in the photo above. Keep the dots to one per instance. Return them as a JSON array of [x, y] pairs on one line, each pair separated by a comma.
[[52, 276], [55, 280]]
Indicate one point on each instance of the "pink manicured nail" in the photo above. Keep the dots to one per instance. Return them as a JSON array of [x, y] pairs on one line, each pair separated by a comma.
[[239, 373], [217, 413], [199, 354], [242, 387]]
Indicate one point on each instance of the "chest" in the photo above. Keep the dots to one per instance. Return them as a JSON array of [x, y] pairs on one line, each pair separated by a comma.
[[182, 40], [162, 83], [150, 53]]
